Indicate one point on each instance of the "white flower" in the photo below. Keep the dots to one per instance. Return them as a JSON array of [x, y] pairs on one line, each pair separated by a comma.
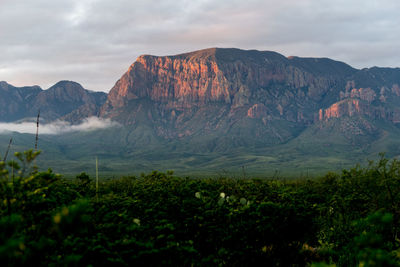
[[197, 195], [222, 195]]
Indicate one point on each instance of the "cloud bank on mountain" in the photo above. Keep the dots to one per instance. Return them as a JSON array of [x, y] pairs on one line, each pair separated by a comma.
[[58, 126]]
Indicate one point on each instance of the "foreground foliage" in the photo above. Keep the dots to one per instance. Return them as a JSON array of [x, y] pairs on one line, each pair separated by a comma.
[[351, 219]]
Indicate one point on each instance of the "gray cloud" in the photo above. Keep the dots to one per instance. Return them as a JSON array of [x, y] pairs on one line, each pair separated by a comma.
[[94, 41], [57, 127]]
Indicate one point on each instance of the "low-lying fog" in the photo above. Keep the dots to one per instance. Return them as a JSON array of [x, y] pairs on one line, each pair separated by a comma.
[[57, 127]]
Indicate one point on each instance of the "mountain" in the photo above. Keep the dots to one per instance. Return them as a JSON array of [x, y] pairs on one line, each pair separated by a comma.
[[229, 97], [65, 100], [218, 109], [14, 101]]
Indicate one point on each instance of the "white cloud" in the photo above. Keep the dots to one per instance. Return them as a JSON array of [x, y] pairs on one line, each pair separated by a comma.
[[58, 127]]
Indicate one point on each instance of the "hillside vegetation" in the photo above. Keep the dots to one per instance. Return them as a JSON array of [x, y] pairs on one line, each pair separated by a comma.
[[346, 219]]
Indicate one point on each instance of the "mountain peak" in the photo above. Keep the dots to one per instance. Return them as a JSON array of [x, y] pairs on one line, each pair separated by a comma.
[[4, 83], [65, 84]]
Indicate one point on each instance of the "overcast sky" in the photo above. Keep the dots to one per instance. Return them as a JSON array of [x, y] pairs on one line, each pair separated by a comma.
[[93, 42]]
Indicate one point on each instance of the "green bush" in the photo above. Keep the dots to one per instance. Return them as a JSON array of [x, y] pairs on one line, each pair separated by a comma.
[[347, 219]]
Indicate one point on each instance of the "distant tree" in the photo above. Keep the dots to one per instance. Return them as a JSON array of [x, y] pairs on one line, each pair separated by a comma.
[[84, 182]]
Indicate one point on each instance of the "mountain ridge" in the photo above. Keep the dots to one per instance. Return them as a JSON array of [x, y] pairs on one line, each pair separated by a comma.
[[66, 100], [230, 107]]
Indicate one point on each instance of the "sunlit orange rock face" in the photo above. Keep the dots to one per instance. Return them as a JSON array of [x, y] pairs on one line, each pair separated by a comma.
[[182, 80], [348, 107]]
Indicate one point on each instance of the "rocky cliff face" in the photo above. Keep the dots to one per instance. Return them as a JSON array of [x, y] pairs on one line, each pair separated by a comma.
[[224, 90], [229, 76], [66, 99]]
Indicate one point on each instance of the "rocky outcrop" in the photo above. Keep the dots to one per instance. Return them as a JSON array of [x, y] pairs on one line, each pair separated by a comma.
[[381, 103], [348, 107]]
